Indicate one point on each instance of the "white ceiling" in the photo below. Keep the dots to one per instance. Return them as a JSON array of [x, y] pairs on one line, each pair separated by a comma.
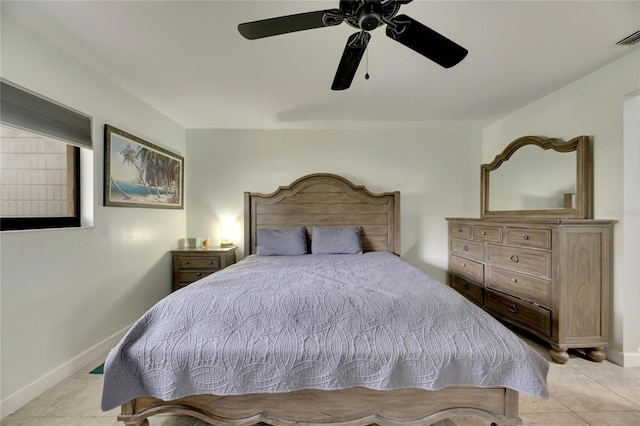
[[187, 59]]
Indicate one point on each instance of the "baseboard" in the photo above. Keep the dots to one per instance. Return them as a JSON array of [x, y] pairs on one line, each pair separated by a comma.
[[624, 359], [16, 400]]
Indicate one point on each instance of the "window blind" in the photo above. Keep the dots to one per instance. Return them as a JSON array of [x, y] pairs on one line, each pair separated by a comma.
[[23, 109]]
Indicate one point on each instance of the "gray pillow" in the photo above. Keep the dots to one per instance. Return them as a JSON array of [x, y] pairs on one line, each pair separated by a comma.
[[345, 240], [282, 242]]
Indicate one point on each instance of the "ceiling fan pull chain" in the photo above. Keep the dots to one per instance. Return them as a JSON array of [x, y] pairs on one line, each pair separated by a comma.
[[366, 75]]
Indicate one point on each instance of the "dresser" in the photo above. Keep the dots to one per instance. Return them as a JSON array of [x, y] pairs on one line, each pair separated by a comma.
[[550, 277], [191, 264]]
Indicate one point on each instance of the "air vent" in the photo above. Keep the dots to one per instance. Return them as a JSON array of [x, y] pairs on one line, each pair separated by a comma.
[[630, 40]]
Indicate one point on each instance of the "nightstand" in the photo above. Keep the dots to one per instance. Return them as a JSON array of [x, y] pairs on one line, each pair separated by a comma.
[[191, 264]]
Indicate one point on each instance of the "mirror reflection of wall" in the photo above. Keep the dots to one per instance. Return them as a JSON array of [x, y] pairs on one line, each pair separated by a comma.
[[533, 179]]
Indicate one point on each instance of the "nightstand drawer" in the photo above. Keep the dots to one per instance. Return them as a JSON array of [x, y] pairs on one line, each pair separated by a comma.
[[192, 264], [200, 262], [191, 276]]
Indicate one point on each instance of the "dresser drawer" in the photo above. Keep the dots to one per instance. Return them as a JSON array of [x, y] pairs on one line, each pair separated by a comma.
[[519, 285], [199, 262], [471, 291], [521, 313], [526, 237], [529, 261], [492, 234], [458, 230], [467, 268], [468, 249]]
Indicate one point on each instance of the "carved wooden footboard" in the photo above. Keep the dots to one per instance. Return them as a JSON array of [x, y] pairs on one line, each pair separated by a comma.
[[352, 407]]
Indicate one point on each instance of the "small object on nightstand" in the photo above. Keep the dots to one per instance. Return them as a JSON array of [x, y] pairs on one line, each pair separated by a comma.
[[194, 242], [192, 264]]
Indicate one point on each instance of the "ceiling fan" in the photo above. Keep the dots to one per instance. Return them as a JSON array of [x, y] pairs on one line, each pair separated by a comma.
[[365, 15]]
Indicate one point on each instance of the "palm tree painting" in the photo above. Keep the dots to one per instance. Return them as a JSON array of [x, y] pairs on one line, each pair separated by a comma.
[[140, 174]]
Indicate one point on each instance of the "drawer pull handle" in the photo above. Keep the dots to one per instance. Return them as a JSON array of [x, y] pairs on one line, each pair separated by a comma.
[[484, 233], [465, 286], [459, 229], [526, 237], [465, 248], [464, 265], [514, 279], [514, 258], [199, 274], [186, 262], [513, 309]]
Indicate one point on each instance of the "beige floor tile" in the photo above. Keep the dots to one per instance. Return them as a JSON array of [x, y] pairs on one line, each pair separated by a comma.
[[552, 419], [589, 395], [529, 404], [624, 418]]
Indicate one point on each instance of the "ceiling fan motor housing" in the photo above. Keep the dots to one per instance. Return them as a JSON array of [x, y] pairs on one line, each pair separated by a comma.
[[369, 16]]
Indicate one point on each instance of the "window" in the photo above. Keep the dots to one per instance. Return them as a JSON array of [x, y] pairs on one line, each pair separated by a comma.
[[39, 161]]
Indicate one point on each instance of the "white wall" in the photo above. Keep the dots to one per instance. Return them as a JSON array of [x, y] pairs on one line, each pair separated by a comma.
[[593, 106], [436, 169], [631, 214], [67, 294]]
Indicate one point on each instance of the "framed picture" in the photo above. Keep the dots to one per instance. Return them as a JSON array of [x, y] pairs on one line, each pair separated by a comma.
[[140, 174]]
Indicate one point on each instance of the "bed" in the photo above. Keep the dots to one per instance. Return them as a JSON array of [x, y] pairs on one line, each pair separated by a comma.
[[401, 365]]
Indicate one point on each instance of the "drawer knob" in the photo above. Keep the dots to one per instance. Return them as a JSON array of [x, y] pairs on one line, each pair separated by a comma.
[[199, 274], [186, 262], [465, 248], [465, 286], [484, 233], [513, 309], [459, 229], [464, 265], [514, 258], [514, 279], [526, 237]]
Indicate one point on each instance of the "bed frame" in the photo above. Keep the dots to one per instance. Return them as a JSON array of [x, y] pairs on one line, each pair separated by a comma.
[[330, 200]]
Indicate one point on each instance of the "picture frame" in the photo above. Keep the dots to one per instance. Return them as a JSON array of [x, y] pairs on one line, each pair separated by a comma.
[[138, 173]]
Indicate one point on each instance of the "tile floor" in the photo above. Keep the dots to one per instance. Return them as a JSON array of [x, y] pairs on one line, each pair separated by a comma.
[[582, 393]]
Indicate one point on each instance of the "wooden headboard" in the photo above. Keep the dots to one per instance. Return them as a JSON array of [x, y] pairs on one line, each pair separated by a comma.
[[325, 200]]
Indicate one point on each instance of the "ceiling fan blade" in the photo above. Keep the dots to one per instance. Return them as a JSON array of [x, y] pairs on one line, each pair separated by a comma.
[[290, 23], [353, 51], [425, 41]]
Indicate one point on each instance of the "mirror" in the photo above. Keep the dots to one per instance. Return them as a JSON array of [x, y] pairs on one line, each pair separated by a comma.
[[538, 177]]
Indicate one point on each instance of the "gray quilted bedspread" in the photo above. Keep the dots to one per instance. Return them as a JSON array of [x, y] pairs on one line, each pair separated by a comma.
[[283, 323]]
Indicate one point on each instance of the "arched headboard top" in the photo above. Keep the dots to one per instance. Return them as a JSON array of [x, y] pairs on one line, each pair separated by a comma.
[[325, 199]]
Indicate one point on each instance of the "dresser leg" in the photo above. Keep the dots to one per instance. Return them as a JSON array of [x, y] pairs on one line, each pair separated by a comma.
[[597, 354], [559, 355]]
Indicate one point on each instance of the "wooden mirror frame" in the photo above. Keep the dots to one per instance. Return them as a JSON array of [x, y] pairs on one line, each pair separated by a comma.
[[584, 179]]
